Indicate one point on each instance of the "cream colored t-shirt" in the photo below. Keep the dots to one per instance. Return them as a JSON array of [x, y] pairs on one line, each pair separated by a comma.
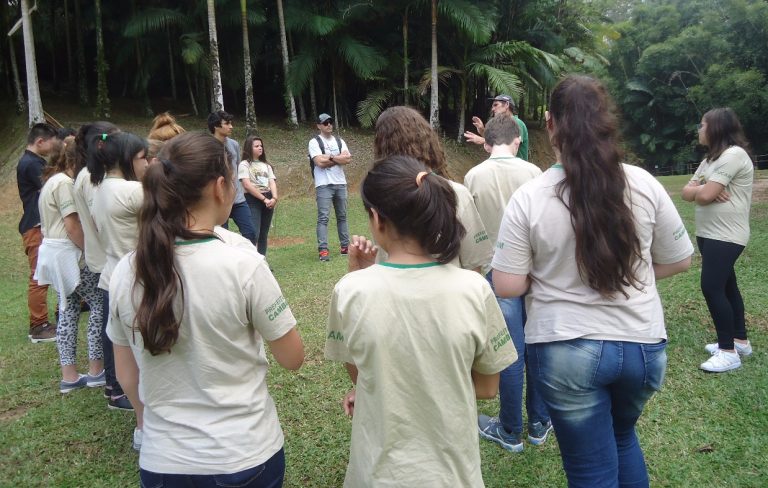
[[492, 184], [415, 333], [536, 238], [117, 203], [475, 250], [259, 172], [206, 405], [728, 221], [94, 249], [55, 203]]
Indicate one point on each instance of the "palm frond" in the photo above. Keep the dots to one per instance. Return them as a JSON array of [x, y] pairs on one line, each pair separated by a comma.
[[313, 24], [192, 50], [302, 69], [468, 18], [499, 80], [364, 60], [444, 74], [233, 17], [153, 19], [369, 109]]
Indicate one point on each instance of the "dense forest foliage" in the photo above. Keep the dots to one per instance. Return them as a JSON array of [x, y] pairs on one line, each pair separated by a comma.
[[666, 61]]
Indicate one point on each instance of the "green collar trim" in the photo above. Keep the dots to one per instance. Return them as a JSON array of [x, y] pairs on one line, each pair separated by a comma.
[[557, 166], [196, 241], [411, 266]]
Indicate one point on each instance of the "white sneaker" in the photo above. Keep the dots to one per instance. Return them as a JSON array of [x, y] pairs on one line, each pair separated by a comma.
[[742, 349], [721, 361], [137, 434]]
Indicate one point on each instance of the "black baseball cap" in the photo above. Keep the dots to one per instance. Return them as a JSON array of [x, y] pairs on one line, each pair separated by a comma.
[[503, 98], [322, 118]]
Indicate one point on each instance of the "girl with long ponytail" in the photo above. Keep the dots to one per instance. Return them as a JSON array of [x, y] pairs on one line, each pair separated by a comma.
[[190, 311], [587, 241], [420, 338]]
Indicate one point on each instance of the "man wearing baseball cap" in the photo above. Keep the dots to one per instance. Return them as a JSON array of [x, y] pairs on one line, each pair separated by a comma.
[[502, 105], [329, 154]]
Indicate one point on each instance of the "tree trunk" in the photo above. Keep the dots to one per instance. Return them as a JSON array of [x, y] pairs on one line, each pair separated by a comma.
[[70, 60], [463, 108], [191, 93], [33, 89], [250, 107], [82, 77], [312, 99], [434, 109], [217, 102], [170, 64], [289, 102], [405, 57], [21, 103], [52, 46], [299, 97], [335, 107], [102, 96]]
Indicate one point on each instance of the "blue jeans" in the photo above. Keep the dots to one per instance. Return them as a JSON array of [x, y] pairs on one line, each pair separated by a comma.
[[267, 475], [595, 392], [513, 377], [241, 214], [261, 217], [327, 194]]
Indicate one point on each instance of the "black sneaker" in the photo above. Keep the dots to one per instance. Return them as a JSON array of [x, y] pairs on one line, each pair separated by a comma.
[[324, 255], [119, 403]]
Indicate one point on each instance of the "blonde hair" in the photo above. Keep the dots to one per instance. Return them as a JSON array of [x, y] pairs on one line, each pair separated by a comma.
[[164, 127]]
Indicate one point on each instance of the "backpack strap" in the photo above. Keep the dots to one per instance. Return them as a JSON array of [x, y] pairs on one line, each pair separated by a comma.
[[311, 161]]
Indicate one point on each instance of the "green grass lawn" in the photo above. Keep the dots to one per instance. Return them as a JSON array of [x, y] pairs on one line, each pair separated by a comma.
[[701, 430]]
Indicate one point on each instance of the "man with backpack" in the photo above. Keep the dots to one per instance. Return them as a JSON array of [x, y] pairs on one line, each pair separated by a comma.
[[328, 154]]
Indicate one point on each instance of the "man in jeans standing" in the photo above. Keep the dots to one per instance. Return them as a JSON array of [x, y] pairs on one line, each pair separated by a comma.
[[329, 154], [220, 125], [40, 143]]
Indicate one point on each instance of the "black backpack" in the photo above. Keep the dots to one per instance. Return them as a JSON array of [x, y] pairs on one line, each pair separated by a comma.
[[322, 151]]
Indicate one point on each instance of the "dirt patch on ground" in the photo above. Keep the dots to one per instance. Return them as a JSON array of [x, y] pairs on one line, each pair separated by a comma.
[[14, 413], [760, 189], [285, 241]]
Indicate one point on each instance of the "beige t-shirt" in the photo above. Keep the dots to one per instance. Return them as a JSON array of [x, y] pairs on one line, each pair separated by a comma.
[[206, 405], [492, 184], [259, 172], [536, 238], [475, 250], [415, 333], [728, 221], [94, 249], [55, 203], [118, 202]]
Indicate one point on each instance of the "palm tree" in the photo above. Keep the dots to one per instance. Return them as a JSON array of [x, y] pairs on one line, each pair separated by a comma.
[[250, 108], [434, 108], [35, 106], [102, 95], [218, 94], [290, 104]]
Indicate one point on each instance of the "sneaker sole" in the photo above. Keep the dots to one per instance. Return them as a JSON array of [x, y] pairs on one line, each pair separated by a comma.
[[35, 340], [537, 441], [504, 445], [97, 384], [721, 370], [112, 407]]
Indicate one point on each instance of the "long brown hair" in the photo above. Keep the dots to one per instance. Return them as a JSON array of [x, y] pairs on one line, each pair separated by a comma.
[[87, 139], [403, 130], [164, 128], [419, 206], [189, 162], [723, 131], [585, 133], [62, 160], [247, 153]]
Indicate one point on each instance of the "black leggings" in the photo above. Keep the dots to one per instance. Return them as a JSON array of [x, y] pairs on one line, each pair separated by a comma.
[[718, 284]]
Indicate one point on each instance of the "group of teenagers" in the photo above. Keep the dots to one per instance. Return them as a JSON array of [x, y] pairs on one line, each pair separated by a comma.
[[430, 316]]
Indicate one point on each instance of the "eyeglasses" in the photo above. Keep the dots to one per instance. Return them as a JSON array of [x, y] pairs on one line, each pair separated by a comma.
[[327, 122]]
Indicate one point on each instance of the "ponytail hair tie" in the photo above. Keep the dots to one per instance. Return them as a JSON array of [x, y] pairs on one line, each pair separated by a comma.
[[420, 177], [104, 136], [167, 166]]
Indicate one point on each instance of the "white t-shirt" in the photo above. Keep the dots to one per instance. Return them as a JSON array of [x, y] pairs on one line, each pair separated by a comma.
[[728, 221], [476, 249], [536, 238], [118, 202], [335, 174], [258, 172], [206, 405], [55, 203], [94, 249], [415, 333], [492, 184]]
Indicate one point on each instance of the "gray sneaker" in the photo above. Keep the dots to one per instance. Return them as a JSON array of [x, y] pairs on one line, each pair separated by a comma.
[[97, 381], [68, 386], [490, 428], [538, 432]]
